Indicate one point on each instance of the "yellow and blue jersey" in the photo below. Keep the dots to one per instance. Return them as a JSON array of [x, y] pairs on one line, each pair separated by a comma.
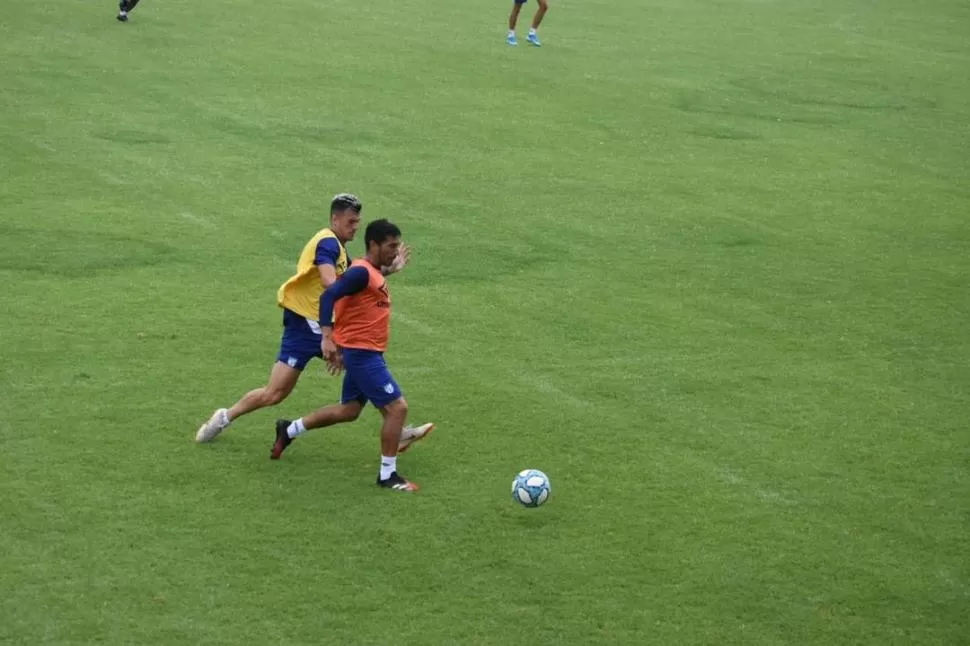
[[301, 293]]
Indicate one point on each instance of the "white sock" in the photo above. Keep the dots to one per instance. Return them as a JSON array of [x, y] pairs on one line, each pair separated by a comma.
[[532, 32], [295, 428], [122, 13], [388, 466], [224, 418]]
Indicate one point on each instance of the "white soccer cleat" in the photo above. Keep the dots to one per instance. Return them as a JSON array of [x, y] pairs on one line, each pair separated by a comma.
[[216, 424], [412, 434]]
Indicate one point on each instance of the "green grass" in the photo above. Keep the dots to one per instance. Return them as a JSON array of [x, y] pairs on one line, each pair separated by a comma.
[[704, 262]]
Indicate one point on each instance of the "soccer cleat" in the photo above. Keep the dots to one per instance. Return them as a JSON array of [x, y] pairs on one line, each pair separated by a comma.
[[122, 16], [123, 11], [216, 424], [534, 40], [511, 40], [397, 483], [282, 439], [412, 434]]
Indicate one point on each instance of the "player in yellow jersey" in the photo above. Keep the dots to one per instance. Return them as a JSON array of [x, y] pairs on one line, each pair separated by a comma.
[[323, 260]]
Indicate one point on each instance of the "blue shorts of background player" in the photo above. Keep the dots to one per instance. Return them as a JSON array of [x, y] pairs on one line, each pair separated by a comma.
[[367, 378], [301, 340]]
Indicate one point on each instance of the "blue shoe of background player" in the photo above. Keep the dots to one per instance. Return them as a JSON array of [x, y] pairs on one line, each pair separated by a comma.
[[510, 39], [534, 39]]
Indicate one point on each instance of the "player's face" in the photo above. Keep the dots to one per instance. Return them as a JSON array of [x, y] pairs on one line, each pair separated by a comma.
[[345, 224], [389, 250]]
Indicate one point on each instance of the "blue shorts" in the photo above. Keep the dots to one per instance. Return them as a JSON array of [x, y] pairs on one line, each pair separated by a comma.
[[366, 378], [300, 341]]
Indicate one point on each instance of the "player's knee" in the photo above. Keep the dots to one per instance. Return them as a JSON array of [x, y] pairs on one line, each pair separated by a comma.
[[398, 407], [273, 396], [544, 5]]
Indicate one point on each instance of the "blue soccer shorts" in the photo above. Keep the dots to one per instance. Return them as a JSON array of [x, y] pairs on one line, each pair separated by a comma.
[[301, 340], [366, 378]]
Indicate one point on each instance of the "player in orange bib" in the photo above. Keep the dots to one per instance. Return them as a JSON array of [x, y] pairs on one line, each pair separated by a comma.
[[323, 259], [356, 343]]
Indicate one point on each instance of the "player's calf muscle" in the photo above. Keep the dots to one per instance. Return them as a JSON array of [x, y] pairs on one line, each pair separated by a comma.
[[330, 415]]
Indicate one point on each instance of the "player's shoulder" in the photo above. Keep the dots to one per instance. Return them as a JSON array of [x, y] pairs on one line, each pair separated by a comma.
[[356, 269], [329, 242], [364, 265], [360, 272], [323, 234], [329, 251], [325, 238]]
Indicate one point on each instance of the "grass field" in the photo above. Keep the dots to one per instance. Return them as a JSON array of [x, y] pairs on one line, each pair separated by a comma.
[[705, 262]]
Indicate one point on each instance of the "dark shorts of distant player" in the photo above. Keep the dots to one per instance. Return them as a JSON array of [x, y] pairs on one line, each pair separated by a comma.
[[300, 342], [520, 1], [366, 378]]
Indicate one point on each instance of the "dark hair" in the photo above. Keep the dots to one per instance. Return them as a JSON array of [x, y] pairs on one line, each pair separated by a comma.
[[344, 201], [379, 231]]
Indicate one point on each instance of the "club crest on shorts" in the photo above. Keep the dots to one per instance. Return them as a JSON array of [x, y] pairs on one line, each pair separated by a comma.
[[291, 362], [389, 388]]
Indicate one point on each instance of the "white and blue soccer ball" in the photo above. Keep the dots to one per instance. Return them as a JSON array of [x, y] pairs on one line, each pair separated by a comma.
[[531, 488]]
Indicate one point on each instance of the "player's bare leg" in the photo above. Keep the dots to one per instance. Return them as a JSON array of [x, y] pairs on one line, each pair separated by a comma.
[[536, 21], [395, 414], [286, 430], [330, 415], [540, 14], [514, 17], [282, 379], [513, 20]]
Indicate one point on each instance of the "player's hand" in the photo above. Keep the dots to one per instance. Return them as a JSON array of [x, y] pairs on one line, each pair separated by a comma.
[[402, 260], [331, 354], [336, 366]]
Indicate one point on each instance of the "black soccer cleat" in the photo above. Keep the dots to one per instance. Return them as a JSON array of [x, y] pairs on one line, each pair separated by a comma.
[[124, 8], [397, 483], [282, 439]]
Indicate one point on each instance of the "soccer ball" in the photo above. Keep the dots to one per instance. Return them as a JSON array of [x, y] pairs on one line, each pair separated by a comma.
[[531, 488]]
